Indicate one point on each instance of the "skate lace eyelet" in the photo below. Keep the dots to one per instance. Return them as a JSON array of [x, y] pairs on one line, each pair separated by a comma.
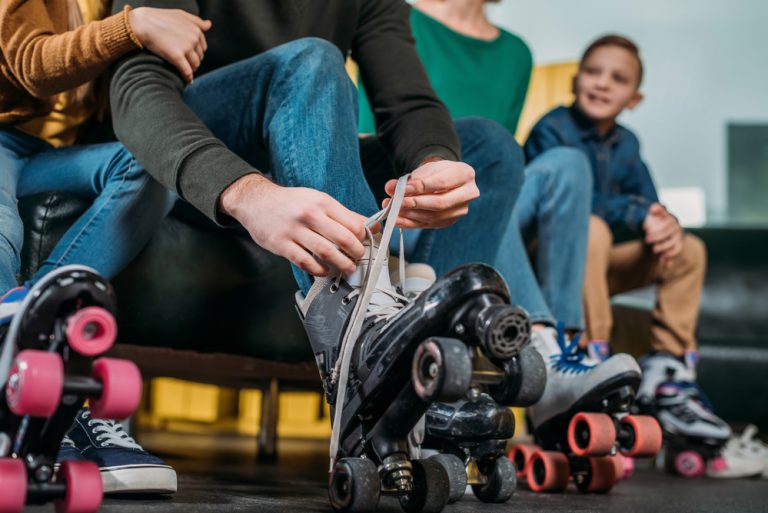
[[334, 288], [345, 300]]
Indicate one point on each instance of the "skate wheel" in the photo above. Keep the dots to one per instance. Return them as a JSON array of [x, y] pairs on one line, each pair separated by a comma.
[[519, 455], [599, 477], [644, 438], [591, 434], [524, 379], [84, 488], [441, 370], [13, 483], [547, 471], [91, 331], [121, 392], [501, 481], [35, 383], [457, 475], [354, 486], [431, 488], [689, 464]]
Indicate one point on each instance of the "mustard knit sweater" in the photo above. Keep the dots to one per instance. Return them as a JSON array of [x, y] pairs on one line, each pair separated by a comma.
[[39, 58]]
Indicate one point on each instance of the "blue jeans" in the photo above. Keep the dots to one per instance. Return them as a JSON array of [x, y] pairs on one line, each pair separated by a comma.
[[291, 113], [552, 212], [127, 203]]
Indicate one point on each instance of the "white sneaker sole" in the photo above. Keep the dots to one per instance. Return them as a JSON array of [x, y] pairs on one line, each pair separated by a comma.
[[139, 479]]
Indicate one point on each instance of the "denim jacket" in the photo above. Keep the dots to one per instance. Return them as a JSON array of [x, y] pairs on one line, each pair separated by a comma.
[[623, 188]]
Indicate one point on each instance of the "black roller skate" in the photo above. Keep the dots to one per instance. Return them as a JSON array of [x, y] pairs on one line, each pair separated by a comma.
[[582, 419], [48, 371], [384, 359]]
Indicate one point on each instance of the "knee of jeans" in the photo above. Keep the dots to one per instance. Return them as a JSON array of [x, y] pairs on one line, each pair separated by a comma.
[[600, 235], [571, 167], [311, 56], [486, 144], [11, 235]]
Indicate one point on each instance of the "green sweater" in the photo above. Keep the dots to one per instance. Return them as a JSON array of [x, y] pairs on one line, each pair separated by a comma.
[[473, 77]]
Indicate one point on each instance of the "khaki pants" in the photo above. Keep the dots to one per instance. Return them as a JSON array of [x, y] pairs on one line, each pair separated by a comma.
[[612, 269]]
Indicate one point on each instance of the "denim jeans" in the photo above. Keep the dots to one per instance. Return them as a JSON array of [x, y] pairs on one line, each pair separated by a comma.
[[551, 213], [127, 203]]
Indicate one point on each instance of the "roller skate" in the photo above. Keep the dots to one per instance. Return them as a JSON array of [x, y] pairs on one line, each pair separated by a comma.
[[582, 419], [384, 359], [693, 435], [48, 370]]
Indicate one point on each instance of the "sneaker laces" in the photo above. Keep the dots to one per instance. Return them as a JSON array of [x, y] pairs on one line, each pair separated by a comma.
[[571, 357], [110, 433], [363, 308], [68, 442]]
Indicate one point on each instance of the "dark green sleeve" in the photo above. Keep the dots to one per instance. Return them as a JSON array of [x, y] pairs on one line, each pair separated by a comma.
[[410, 120], [166, 137]]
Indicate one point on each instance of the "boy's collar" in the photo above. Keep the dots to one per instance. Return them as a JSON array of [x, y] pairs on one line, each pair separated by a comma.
[[587, 128]]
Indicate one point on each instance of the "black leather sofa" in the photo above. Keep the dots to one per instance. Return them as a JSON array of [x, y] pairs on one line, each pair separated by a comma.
[[205, 304]]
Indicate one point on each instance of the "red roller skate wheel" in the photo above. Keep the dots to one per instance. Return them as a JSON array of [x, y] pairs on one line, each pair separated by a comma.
[[13, 485], [689, 464], [646, 435], [35, 383], [121, 392], [91, 331], [591, 434], [601, 477], [84, 488], [519, 455], [547, 471]]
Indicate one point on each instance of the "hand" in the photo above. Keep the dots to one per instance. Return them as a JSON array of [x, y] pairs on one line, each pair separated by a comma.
[[308, 227], [437, 195], [663, 233], [173, 34]]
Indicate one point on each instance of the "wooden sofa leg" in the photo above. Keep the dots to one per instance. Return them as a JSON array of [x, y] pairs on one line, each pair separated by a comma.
[[267, 448]]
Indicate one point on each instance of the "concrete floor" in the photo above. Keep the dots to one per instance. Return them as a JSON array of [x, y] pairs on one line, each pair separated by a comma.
[[219, 474]]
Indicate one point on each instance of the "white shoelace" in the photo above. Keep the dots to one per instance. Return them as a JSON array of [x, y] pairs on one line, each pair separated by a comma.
[[363, 308], [110, 434]]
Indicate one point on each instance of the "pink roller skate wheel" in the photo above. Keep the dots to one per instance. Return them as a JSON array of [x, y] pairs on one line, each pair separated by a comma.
[[35, 383], [629, 466], [121, 392], [13, 485], [91, 331], [84, 488], [689, 464]]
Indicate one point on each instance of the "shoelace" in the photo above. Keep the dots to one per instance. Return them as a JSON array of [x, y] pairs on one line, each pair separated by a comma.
[[361, 309], [111, 434], [68, 442], [571, 357]]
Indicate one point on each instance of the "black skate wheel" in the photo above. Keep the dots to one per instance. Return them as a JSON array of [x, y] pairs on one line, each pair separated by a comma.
[[457, 475], [431, 488], [354, 486], [441, 370], [501, 482], [524, 381]]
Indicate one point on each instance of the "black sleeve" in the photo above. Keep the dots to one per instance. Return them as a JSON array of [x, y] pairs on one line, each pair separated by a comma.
[[410, 120], [166, 137]]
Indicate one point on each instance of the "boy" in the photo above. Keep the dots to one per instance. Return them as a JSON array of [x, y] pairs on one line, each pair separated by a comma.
[[625, 203]]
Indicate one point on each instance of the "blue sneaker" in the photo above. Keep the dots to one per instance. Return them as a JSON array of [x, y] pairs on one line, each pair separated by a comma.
[[125, 466], [68, 451]]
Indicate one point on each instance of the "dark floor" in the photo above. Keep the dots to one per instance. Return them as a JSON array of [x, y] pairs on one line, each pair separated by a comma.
[[218, 476]]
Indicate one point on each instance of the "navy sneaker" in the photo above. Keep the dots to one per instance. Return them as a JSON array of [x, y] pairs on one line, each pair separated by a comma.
[[125, 466], [68, 451]]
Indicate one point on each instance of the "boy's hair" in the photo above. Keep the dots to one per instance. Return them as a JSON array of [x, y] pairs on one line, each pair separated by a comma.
[[621, 42]]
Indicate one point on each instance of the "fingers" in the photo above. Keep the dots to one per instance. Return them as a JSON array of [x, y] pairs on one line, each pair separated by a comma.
[[304, 260], [663, 230], [323, 250], [352, 221], [444, 201], [193, 59], [440, 176], [337, 234], [666, 245], [197, 20], [181, 63]]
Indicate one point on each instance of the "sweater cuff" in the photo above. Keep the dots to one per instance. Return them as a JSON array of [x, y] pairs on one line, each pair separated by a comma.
[[441, 152], [118, 36]]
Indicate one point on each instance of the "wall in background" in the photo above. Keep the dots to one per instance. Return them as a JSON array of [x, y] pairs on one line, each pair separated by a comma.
[[706, 67]]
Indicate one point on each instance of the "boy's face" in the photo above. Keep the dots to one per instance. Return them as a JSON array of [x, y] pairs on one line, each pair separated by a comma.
[[607, 83]]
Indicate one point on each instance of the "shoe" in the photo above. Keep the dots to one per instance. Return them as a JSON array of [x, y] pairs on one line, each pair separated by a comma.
[[125, 466], [599, 350], [734, 466], [746, 447], [68, 451]]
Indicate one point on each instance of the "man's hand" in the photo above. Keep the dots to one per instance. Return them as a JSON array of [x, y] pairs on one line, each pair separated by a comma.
[[172, 34], [663, 233], [437, 195], [308, 227]]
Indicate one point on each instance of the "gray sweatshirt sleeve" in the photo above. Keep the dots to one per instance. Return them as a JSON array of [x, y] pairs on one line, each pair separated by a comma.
[[166, 137]]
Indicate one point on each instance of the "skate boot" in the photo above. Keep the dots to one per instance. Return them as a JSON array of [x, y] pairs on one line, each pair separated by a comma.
[[383, 360], [693, 435], [581, 420], [48, 370]]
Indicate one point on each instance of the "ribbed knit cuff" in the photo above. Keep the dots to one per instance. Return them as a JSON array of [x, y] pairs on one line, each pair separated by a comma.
[[118, 36]]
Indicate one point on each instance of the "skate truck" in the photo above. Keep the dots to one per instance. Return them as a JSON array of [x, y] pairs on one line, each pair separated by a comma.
[[394, 358], [589, 441], [49, 370]]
